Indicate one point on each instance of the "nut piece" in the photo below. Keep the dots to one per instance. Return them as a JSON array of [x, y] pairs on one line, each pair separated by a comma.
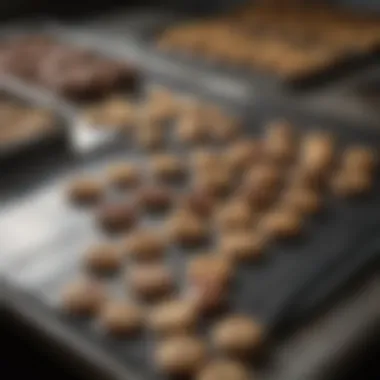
[[83, 297], [242, 245], [209, 268], [167, 167], [359, 158], [186, 229], [123, 175], [302, 200], [180, 355], [103, 258], [237, 336], [282, 223], [317, 153], [120, 318], [145, 245], [155, 198], [234, 215], [151, 281], [243, 154], [85, 191], [173, 317], [279, 141], [223, 369], [348, 184], [116, 217]]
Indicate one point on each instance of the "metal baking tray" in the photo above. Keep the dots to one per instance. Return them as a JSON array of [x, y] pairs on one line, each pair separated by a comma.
[[145, 26], [340, 243], [38, 144]]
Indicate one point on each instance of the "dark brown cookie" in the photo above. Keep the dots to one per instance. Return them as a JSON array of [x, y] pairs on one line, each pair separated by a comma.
[[180, 355]]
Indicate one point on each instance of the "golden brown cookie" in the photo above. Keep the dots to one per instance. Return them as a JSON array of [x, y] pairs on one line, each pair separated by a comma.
[[317, 152], [155, 198], [243, 154], [85, 191], [302, 200], [167, 167], [282, 223], [103, 258], [234, 215], [150, 136], [199, 203], [209, 268], [85, 296], [121, 318], [242, 245], [145, 245], [151, 281], [180, 355], [123, 175], [116, 217], [223, 369], [186, 229], [348, 184], [173, 317], [359, 158], [238, 336], [279, 142]]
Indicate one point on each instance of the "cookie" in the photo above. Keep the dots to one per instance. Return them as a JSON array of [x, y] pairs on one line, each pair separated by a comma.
[[242, 245], [180, 355], [120, 318], [167, 167], [145, 245], [85, 191], [173, 317], [243, 154], [223, 369], [151, 281], [103, 258], [116, 217], [84, 297], [123, 175], [186, 229], [234, 215], [281, 223], [155, 198], [359, 158], [302, 200], [237, 336]]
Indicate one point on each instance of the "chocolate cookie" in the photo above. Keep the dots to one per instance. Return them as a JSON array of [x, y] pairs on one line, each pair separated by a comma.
[[103, 258]]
